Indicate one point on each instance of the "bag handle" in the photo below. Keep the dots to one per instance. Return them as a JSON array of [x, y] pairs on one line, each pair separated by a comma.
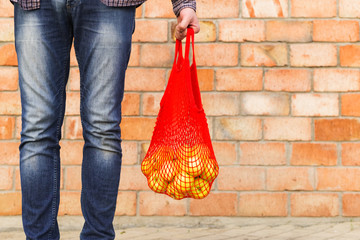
[[178, 60], [190, 38], [195, 97]]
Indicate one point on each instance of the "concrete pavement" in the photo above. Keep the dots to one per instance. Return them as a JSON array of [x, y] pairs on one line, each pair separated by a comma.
[[206, 228]]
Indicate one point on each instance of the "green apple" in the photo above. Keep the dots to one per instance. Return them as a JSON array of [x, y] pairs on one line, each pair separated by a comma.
[[200, 188], [148, 165], [157, 183], [168, 170], [164, 153], [211, 170], [173, 192], [183, 182], [193, 165]]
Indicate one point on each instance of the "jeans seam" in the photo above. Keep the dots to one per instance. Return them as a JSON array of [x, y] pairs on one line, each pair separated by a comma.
[[58, 129]]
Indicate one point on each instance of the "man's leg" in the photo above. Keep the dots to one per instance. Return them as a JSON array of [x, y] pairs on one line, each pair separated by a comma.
[[102, 39], [43, 40]]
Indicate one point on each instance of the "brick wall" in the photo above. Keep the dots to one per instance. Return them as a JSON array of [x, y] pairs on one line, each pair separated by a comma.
[[280, 86]]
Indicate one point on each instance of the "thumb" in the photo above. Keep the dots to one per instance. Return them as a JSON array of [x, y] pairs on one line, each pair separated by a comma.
[[183, 24]]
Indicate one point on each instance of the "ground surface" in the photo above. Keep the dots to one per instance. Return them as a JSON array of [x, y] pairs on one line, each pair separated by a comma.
[[217, 228]]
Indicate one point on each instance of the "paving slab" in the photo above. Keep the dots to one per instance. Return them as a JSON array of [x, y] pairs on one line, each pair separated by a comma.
[[205, 228]]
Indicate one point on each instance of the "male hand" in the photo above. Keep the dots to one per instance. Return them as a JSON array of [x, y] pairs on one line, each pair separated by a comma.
[[187, 18]]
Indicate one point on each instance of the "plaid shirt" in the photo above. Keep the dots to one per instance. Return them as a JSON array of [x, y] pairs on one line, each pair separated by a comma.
[[178, 5]]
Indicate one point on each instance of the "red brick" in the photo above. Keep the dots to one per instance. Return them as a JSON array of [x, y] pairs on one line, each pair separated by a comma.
[[350, 154], [270, 153], [9, 152], [207, 33], [313, 9], [143, 150], [206, 79], [349, 56], [135, 55], [6, 30], [338, 179], [73, 128], [216, 54], [239, 79], [350, 204], [10, 203], [307, 104], [265, 8], [151, 103], [264, 55], [226, 205], [71, 152], [314, 154], [73, 178], [241, 178], [290, 178], [9, 79], [74, 79], [6, 9], [145, 79], [237, 129], [155, 204], [138, 12], [337, 129], [225, 152], [265, 103], [286, 128], [336, 80], [314, 205], [263, 204], [335, 31], [350, 104], [313, 55], [126, 204], [12, 106], [6, 178], [241, 30], [150, 31], [137, 128], [288, 31], [7, 127], [8, 55], [18, 128], [349, 8], [156, 55], [152, 9], [131, 104], [210, 8], [289, 80], [62, 177], [72, 103], [132, 179], [70, 203], [130, 153], [73, 59], [17, 179], [221, 104]]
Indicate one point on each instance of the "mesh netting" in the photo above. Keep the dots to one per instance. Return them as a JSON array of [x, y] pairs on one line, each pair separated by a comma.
[[180, 161]]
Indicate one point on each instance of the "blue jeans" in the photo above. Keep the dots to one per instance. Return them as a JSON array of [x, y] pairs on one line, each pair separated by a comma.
[[102, 41]]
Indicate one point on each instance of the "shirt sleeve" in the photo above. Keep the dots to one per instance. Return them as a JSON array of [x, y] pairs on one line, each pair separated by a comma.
[[178, 5]]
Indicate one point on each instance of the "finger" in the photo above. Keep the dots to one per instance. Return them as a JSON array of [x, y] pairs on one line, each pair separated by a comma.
[[181, 28], [180, 34], [196, 28]]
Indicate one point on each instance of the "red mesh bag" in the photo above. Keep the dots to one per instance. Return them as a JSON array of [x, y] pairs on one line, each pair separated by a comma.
[[180, 161]]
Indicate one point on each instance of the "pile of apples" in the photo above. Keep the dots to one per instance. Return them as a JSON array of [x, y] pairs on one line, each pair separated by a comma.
[[185, 171]]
